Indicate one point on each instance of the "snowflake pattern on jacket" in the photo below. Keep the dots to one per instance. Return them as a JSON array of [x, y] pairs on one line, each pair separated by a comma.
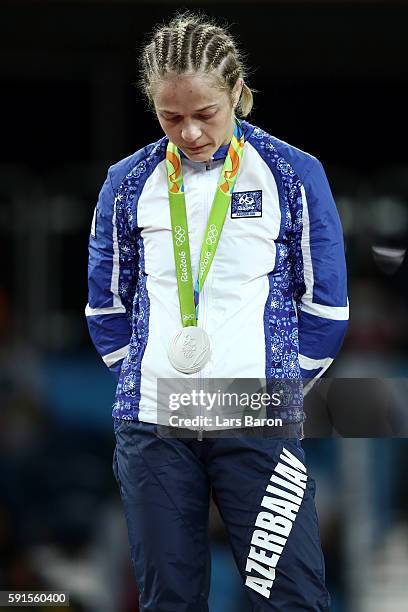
[[286, 285], [134, 297]]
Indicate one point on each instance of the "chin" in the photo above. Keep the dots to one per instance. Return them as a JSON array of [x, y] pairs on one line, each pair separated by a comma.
[[202, 157]]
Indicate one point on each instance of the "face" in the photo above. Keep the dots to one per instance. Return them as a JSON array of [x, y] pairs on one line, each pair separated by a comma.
[[195, 114]]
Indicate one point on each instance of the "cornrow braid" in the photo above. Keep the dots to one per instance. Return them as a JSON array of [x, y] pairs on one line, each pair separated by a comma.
[[223, 49], [185, 61], [210, 49], [158, 44], [191, 44], [206, 36], [166, 36], [196, 43], [147, 61], [181, 32], [232, 73]]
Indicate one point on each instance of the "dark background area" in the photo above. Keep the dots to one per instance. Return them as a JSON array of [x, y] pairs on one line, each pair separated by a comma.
[[331, 77], [332, 80]]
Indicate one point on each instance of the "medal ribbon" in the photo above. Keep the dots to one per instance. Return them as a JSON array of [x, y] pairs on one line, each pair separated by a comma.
[[188, 297]]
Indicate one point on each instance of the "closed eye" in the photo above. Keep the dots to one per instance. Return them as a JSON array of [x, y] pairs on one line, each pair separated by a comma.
[[202, 117], [205, 117], [174, 118]]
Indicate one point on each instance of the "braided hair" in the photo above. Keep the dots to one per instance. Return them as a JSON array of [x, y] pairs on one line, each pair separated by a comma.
[[189, 44]]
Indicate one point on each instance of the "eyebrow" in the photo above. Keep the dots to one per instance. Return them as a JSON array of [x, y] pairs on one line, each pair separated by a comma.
[[199, 110]]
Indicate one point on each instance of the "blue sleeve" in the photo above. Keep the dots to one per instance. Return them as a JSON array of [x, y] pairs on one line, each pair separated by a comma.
[[112, 277], [321, 285]]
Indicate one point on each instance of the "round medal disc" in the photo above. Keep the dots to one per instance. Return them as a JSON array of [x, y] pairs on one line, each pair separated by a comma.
[[189, 350]]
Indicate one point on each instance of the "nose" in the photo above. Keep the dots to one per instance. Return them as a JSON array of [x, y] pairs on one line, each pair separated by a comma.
[[190, 132]]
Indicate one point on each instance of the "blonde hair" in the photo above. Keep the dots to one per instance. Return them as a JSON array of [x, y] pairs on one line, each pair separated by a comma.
[[190, 44]]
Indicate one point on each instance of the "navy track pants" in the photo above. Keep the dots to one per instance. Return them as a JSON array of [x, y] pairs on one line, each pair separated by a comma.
[[265, 498]]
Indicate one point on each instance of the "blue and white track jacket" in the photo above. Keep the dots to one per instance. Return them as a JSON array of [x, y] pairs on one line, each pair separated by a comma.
[[275, 300]]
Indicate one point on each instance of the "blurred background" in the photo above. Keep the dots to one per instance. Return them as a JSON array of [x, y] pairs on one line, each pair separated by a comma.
[[332, 80]]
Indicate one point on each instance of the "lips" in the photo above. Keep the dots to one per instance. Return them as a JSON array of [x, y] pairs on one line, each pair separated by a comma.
[[196, 148]]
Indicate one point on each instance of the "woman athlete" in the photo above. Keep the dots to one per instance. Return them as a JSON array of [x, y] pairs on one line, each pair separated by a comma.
[[216, 252]]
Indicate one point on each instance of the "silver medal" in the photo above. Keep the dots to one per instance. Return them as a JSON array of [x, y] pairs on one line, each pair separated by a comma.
[[189, 350]]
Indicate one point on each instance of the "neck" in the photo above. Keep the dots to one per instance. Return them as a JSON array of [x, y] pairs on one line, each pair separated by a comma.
[[231, 131]]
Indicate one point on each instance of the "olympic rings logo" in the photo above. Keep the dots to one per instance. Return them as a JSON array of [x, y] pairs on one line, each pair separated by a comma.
[[188, 317], [212, 234], [180, 235]]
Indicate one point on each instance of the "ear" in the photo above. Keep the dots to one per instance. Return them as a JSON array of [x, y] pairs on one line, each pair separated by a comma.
[[237, 91]]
